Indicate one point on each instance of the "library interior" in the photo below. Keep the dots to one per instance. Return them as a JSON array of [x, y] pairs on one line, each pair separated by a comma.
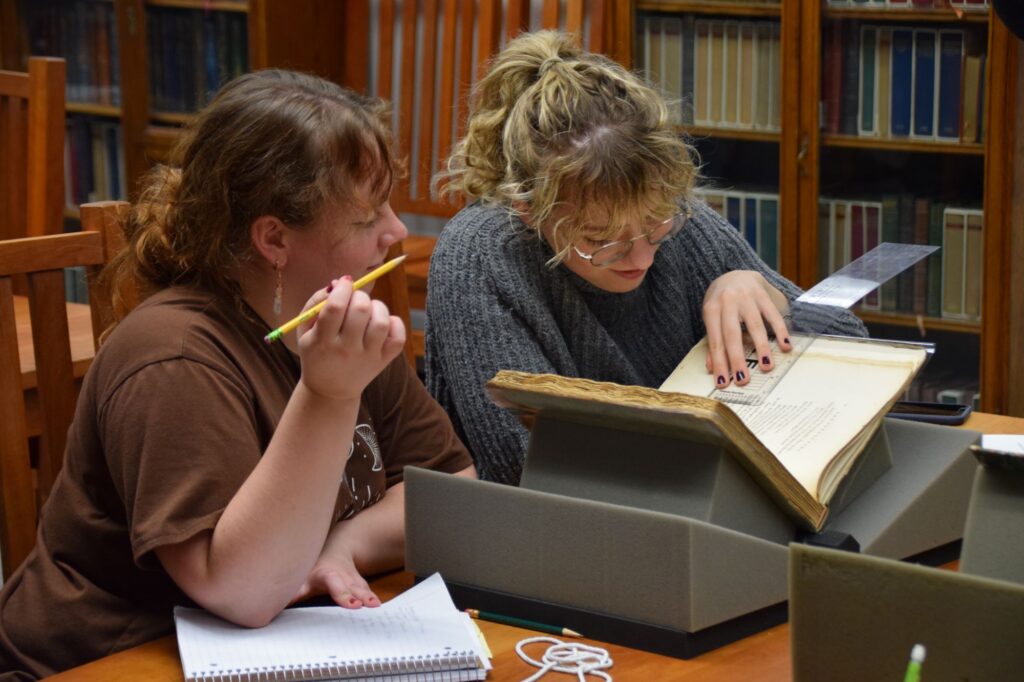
[[866, 151]]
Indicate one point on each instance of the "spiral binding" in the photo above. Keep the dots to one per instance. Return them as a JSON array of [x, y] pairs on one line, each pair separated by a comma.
[[454, 663]]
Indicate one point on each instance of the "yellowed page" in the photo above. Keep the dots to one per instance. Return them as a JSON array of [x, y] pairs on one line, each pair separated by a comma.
[[808, 414]]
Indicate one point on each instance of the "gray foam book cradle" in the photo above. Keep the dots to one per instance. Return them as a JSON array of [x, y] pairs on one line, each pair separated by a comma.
[[643, 531]]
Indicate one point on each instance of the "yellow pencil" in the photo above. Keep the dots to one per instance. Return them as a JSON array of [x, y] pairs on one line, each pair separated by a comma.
[[315, 310]]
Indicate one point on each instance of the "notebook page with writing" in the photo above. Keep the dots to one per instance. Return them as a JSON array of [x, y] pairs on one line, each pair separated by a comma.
[[420, 633]]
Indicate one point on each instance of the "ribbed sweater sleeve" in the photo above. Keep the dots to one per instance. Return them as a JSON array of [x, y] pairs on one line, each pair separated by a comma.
[[494, 304]]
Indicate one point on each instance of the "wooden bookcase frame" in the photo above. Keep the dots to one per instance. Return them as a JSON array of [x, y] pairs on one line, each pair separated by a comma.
[[800, 148]]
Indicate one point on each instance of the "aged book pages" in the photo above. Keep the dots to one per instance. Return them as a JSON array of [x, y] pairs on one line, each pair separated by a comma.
[[821, 407]]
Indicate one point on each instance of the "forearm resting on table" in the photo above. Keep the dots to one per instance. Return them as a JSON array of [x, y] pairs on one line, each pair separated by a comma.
[[264, 545], [375, 537]]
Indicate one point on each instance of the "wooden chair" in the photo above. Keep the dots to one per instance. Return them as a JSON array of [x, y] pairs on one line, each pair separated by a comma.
[[32, 149], [41, 261]]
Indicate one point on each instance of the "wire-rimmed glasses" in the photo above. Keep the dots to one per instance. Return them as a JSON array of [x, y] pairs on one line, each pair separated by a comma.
[[612, 252]]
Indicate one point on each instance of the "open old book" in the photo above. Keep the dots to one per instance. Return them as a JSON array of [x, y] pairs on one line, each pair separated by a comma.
[[797, 430]]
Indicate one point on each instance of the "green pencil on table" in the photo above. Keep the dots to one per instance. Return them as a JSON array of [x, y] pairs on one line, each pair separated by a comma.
[[307, 315], [522, 623]]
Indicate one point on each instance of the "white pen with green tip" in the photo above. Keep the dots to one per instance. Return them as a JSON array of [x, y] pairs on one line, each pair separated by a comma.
[[917, 654], [309, 314]]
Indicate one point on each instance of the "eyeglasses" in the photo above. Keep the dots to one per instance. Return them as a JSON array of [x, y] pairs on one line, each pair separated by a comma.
[[612, 252]]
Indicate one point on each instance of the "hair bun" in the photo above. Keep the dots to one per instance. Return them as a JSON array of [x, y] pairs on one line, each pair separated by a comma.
[[548, 64]]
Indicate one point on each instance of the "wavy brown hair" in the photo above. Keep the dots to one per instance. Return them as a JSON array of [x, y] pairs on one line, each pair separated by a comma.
[[272, 142], [556, 129]]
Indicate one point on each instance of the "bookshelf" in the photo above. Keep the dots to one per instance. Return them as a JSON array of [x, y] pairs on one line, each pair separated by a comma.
[[143, 67], [831, 151]]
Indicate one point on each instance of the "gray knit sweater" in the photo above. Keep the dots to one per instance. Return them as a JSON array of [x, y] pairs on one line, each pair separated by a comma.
[[493, 304]]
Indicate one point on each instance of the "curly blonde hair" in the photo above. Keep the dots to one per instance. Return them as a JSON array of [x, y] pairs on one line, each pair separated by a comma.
[[556, 129], [272, 142]]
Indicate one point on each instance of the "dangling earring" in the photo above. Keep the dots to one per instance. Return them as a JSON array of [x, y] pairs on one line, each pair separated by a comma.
[[278, 290]]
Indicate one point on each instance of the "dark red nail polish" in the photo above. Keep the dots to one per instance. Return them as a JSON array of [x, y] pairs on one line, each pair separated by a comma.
[[740, 376], [721, 380], [786, 340], [765, 360], [330, 288]]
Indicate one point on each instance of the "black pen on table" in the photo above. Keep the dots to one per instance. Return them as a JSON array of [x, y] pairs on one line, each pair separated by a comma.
[[521, 623]]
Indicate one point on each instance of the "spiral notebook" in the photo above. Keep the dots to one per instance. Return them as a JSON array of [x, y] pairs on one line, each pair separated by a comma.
[[417, 635]]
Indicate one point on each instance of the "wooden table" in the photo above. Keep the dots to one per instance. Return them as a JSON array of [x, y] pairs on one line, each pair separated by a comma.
[[761, 657], [82, 352]]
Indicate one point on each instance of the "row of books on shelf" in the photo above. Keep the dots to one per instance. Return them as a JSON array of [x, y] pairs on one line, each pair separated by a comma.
[[717, 73], [946, 284], [93, 160], [192, 53], [754, 214], [890, 82], [85, 35], [978, 5]]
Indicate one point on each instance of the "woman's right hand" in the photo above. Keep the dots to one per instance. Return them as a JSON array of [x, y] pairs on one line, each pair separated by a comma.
[[349, 343]]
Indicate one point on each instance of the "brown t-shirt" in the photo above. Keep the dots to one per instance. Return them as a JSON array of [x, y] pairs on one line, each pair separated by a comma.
[[174, 414]]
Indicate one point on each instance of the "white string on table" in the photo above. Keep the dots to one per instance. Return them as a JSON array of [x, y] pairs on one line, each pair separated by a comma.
[[572, 658]]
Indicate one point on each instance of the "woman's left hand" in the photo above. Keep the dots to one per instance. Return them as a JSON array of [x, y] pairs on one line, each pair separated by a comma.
[[737, 302], [335, 574]]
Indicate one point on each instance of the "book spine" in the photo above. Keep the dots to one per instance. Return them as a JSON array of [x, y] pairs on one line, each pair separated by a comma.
[[868, 77], [747, 89], [850, 104], [951, 49], [702, 73], [902, 81], [906, 278], [763, 39], [890, 233], [768, 219], [953, 251], [750, 222], [922, 208], [688, 68], [973, 262], [924, 83], [884, 90], [934, 302], [872, 232], [730, 100]]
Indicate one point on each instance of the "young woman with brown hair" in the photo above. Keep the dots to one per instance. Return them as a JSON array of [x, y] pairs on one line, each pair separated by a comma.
[[203, 465], [585, 253]]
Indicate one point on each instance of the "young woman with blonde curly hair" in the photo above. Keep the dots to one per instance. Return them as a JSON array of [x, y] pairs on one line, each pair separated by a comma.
[[583, 252], [205, 466]]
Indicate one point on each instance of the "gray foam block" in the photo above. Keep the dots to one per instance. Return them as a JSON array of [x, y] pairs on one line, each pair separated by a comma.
[[855, 618], [636, 564], [650, 471], [994, 533], [921, 502]]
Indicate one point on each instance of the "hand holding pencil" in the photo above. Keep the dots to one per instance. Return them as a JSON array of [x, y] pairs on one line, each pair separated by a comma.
[[312, 312], [346, 339]]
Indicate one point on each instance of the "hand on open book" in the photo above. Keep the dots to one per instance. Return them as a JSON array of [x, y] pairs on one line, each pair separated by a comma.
[[737, 301], [335, 575]]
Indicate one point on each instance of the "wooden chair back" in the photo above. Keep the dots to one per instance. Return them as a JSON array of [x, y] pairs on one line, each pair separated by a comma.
[[41, 261], [32, 149]]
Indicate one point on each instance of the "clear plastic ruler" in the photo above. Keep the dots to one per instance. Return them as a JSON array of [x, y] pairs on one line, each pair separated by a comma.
[[843, 288]]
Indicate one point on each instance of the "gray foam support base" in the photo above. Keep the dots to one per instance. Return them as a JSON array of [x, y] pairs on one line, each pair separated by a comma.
[[855, 618], [640, 563]]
